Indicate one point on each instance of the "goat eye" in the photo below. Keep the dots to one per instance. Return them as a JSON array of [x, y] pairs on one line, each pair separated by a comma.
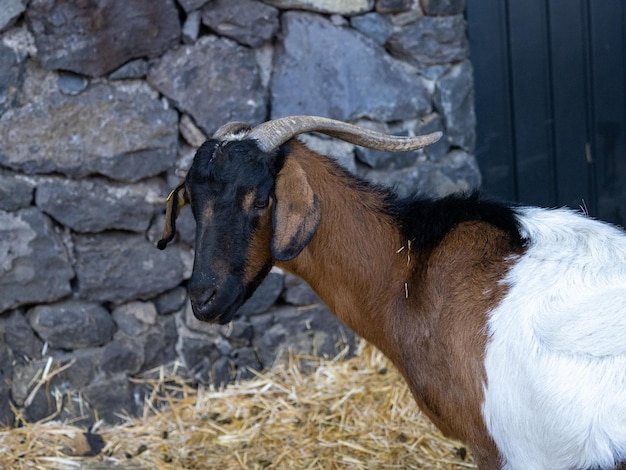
[[260, 203]]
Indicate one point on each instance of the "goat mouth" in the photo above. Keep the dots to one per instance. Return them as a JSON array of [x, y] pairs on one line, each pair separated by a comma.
[[210, 311]]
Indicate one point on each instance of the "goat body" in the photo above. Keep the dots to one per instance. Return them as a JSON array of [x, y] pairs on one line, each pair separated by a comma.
[[508, 324]]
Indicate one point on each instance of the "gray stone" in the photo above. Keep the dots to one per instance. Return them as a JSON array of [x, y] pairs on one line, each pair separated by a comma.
[[171, 301], [239, 333], [456, 172], [191, 27], [118, 267], [160, 342], [11, 76], [91, 39], [336, 70], [225, 88], [10, 11], [248, 22], [15, 192], [245, 361], [264, 296], [6, 376], [137, 68], [374, 25], [122, 355], [135, 318], [19, 336], [81, 371], [431, 40], [95, 205], [71, 84], [443, 7], [220, 372], [34, 265], [72, 324], [111, 405], [393, 6], [339, 7], [136, 136], [190, 5], [454, 98], [310, 331]]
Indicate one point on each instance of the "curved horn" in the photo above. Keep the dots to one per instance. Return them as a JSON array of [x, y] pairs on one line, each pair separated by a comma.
[[270, 135], [234, 127]]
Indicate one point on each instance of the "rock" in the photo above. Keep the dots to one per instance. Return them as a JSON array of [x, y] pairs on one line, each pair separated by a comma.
[[239, 333], [374, 25], [137, 68], [443, 7], [226, 88], [95, 38], [135, 318], [111, 405], [11, 76], [72, 324], [6, 376], [171, 301], [190, 5], [248, 22], [15, 192], [191, 27], [136, 137], [117, 267], [95, 205], [456, 172], [393, 6], [431, 40], [71, 83], [190, 132], [339, 7], [220, 372], [336, 70], [10, 11], [264, 296], [122, 355], [245, 361], [19, 336], [310, 331], [34, 264], [454, 98], [160, 342], [81, 371]]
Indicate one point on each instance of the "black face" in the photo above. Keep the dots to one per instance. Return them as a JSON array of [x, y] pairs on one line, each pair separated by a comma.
[[229, 187]]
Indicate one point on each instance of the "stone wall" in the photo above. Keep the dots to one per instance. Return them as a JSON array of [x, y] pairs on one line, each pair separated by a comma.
[[101, 107]]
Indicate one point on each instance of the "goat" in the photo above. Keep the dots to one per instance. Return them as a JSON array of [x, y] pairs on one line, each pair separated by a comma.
[[508, 323]]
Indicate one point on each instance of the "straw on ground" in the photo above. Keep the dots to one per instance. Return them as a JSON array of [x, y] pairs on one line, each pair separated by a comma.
[[354, 413]]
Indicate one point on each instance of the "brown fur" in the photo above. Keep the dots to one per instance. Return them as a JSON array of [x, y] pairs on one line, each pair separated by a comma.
[[436, 335]]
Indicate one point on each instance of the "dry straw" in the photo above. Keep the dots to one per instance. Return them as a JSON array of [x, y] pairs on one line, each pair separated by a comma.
[[341, 414]]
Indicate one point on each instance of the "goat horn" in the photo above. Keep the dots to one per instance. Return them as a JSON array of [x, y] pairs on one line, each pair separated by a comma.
[[270, 135], [234, 127]]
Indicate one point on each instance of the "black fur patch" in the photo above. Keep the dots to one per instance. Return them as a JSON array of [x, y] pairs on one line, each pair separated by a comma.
[[426, 221]]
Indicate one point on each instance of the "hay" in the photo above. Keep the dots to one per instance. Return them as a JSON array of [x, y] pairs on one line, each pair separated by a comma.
[[355, 414]]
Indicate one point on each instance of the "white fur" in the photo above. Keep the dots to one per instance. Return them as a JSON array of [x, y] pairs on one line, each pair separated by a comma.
[[555, 396]]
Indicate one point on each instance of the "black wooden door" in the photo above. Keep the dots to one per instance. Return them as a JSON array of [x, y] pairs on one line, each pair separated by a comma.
[[551, 101]]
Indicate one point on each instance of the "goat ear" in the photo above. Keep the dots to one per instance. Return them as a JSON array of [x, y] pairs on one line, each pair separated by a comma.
[[175, 201], [295, 212]]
